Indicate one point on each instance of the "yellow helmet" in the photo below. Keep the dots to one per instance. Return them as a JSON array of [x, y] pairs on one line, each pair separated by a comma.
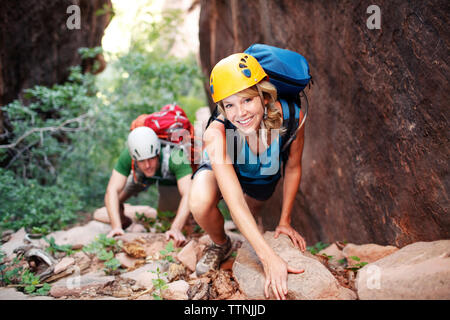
[[233, 74]]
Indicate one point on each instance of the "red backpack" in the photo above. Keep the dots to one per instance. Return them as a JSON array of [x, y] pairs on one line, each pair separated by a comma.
[[173, 128]]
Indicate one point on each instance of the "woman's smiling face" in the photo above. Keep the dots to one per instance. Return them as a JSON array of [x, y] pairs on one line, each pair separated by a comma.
[[246, 113]]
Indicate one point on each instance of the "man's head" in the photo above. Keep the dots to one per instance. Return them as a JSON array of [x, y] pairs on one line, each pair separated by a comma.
[[144, 148]]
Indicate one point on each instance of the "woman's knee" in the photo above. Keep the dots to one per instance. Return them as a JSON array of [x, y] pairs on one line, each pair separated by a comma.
[[202, 196]]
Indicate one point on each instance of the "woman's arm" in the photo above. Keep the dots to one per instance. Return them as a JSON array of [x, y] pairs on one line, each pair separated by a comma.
[[292, 177]]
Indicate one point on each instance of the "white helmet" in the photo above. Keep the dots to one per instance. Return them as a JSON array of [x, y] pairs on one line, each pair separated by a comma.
[[143, 143]]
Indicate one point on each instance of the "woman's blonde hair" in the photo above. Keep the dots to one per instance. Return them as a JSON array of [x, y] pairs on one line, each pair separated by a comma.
[[266, 91]]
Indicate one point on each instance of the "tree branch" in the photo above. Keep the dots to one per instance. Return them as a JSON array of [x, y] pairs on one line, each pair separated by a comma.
[[61, 127]]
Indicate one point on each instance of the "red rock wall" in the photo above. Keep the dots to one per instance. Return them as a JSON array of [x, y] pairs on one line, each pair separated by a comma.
[[375, 164]]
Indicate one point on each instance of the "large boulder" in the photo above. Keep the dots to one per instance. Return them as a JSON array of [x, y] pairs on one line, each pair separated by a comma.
[[418, 271], [81, 235], [316, 283]]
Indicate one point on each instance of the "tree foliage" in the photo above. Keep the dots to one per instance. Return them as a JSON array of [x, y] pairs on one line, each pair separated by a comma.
[[66, 138]]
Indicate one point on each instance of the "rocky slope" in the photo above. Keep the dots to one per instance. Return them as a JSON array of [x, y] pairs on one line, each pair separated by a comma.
[[148, 267]]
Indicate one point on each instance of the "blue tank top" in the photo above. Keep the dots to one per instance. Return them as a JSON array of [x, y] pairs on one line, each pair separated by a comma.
[[250, 168], [259, 169]]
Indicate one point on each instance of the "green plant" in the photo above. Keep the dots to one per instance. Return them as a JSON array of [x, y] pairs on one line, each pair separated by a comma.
[[105, 248], [111, 266], [327, 256], [357, 266], [13, 274], [317, 247], [167, 251], [31, 285], [53, 247], [161, 223], [224, 210], [159, 285]]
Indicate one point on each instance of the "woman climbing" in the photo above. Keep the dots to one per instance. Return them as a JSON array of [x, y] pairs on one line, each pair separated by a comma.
[[242, 165]]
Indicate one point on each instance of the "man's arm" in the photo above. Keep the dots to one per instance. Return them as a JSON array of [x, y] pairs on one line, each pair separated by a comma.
[[184, 185], [116, 184]]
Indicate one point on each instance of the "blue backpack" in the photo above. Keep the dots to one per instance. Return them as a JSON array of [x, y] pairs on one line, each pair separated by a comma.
[[288, 71]]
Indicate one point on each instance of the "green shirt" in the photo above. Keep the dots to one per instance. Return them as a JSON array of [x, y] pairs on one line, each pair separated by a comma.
[[178, 165]]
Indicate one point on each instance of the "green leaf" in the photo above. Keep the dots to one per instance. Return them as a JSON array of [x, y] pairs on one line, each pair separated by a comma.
[[30, 289], [105, 255], [355, 258], [44, 290]]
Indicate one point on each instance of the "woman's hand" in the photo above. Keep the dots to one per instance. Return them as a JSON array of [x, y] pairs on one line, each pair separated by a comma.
[[296, 238], [276, 271], [176, 234], [115, 232]]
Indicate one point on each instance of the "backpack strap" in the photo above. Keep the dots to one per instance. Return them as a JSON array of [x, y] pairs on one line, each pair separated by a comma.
[[291, 115], [165, 170]]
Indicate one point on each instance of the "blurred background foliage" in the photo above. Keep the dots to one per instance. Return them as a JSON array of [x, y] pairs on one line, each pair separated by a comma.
[[68, 137]]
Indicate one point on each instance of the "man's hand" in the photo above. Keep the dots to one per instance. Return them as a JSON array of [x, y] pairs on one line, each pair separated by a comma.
[[179, 237], [296, 238], [115, 232]]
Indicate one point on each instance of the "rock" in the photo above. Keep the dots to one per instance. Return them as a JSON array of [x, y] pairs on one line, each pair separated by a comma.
[[132, 236], [62, 265], [229, 225], [315, 283], [227, 264], [13, 294], [199, 289], [134, 249], [136, 228], [81, 258], [144, 275], [366, 252], [15, 240], [176, 271], [79, 236], [176, 290], [335, 252], [125, 260], [76, 285], [153, 250], [188, 255], [418, 271], [101, 214], [223, 284], [6, 236]]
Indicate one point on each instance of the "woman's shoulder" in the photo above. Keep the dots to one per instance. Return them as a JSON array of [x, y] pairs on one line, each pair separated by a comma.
[[214, 128]]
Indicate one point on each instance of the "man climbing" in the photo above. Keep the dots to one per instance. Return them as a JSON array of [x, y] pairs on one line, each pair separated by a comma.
[[141, 165]]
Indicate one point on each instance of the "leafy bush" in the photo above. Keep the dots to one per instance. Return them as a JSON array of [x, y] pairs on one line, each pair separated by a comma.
[[67, 137]]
